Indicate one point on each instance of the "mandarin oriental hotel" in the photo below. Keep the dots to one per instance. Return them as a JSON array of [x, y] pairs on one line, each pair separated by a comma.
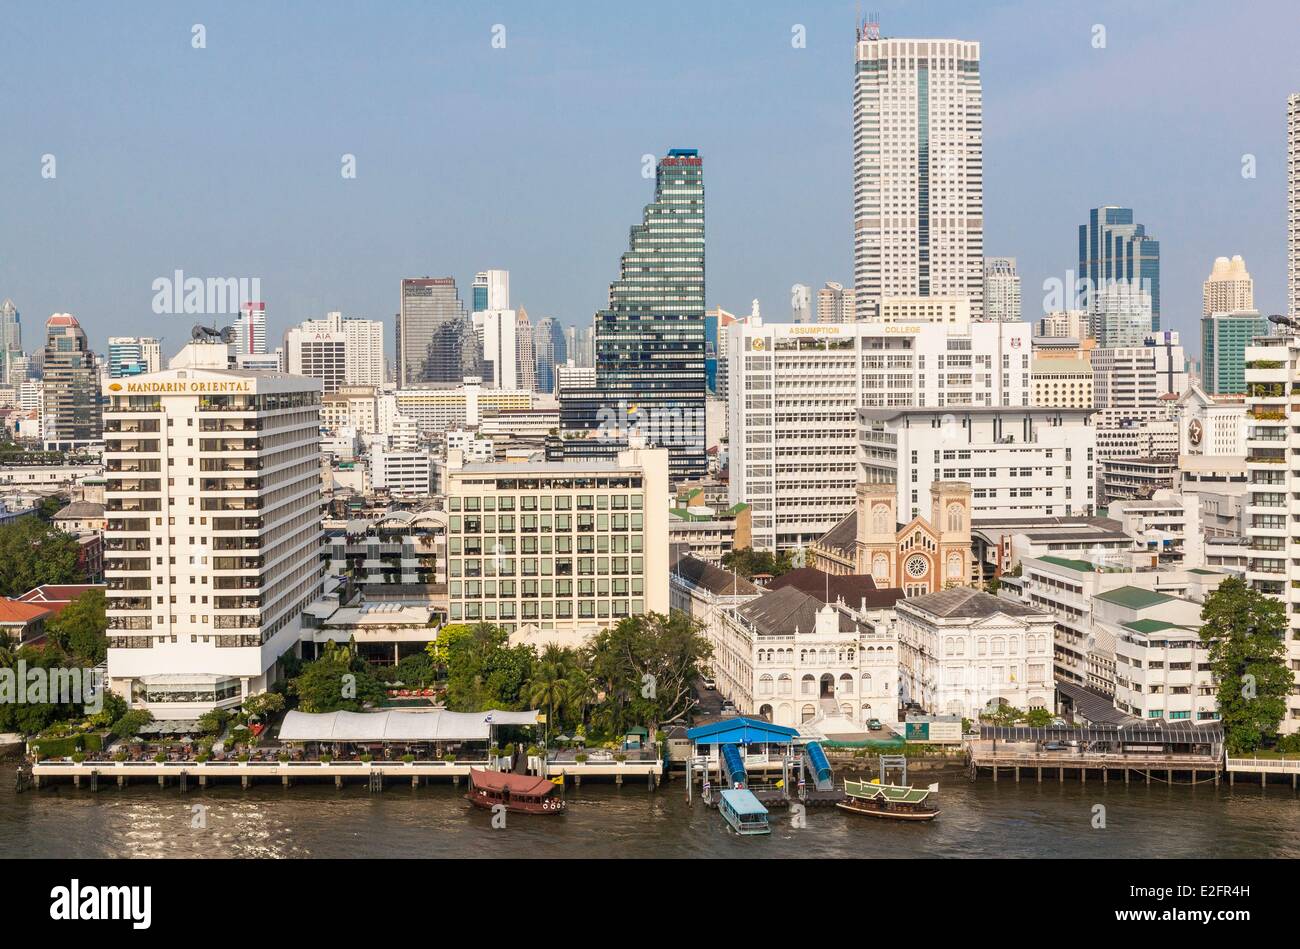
[[554, 552], [214, 539]]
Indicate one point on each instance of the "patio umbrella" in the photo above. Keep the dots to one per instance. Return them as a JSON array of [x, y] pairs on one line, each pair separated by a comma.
[[563, 739]]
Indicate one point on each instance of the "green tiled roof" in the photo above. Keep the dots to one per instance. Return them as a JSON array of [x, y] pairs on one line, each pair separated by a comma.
[[1202, 571], [1081, 565], [1154, 626], [1135, 598]]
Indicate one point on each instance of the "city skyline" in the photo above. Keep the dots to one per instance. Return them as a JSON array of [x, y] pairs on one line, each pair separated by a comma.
[[323, 242]]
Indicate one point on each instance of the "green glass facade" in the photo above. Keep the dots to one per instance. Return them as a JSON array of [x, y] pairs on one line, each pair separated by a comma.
[[650, 349], [1224, 338]]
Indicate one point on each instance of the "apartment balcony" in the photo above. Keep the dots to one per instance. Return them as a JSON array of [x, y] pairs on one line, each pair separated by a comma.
[[135, 584], [114, 603], [130, 622], [230, 484]]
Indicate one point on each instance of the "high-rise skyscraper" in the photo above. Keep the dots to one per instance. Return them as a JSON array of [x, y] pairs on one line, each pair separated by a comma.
[[1229, 288], [1293, 205], [496, 332], [1224, 339], [11, 338], [435, 337], [549, 350], [491, 291], [650, 340], [208, 571], [133, 356], [339, 351], [1120, 314], [250, 329], [1001, 290], [918, 171], [71, 416], [835, 304], [525, 355], [1113, 250]]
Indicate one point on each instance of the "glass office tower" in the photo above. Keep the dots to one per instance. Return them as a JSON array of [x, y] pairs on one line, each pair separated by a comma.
[[650, 340], [1113, 249]]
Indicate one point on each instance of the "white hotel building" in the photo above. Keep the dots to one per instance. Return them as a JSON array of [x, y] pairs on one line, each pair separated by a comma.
[[795, 389], [214, 538]]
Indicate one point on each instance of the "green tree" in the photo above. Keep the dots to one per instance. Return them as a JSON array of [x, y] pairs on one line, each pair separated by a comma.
[[548, 687], [33, 552], [129, 725], [212, 722], [1038, 718], [747, 562], [264, 703], [644, 668], [80, 627], [483, 670], [1244, 630], [338, 681]]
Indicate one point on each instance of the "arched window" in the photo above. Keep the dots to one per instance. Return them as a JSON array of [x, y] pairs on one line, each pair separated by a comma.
[[785, 685], [954, 518], [765, 685], [807, 686], [808, 712], [880, 520], [846, 685]]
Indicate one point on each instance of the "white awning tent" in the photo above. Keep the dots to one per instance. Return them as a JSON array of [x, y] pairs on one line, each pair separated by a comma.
[[434, 725]]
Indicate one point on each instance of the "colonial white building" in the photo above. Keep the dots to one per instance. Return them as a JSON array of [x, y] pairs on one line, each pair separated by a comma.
[[794, 391], [793, 659], [214, 539], [963, 650]]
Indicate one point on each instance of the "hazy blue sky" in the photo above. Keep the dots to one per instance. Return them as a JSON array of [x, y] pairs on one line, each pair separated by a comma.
[[225, 161]]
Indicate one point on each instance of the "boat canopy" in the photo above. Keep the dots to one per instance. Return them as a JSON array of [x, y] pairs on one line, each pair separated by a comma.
[[889, 792], [399, 726], [743, 803], [742, 731], [515, 783]]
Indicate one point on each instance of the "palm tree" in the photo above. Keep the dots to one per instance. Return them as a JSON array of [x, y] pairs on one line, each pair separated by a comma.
[[581, 692], [548, 688]]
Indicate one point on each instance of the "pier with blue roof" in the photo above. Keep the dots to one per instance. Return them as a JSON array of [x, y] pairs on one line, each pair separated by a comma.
[[774, 763]]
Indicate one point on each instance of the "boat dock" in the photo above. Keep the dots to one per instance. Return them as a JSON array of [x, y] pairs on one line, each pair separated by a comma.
[[375, 774], [1143, 752]]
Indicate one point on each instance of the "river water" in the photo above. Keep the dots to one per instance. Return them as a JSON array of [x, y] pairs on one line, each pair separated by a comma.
[[978, 820]]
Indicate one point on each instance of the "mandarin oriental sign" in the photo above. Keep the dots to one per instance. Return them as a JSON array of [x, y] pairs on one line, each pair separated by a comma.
[[182, 387]]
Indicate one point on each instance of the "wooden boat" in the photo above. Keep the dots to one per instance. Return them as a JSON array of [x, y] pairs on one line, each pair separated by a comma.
[[744, 812], [890, 800], [520, 793]]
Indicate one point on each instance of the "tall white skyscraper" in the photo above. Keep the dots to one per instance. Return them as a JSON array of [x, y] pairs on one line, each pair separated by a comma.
[[1001, 289], [337, 350], [1293, 205], [835, 304], [250, 329], [918, 170], [1229, 288], [497, 331], [525, 354], [491, 291], [216, 536]]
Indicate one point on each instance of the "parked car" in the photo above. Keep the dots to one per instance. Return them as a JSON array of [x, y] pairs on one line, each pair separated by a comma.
[[1055, 746], [874, 725], [708, 683]]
